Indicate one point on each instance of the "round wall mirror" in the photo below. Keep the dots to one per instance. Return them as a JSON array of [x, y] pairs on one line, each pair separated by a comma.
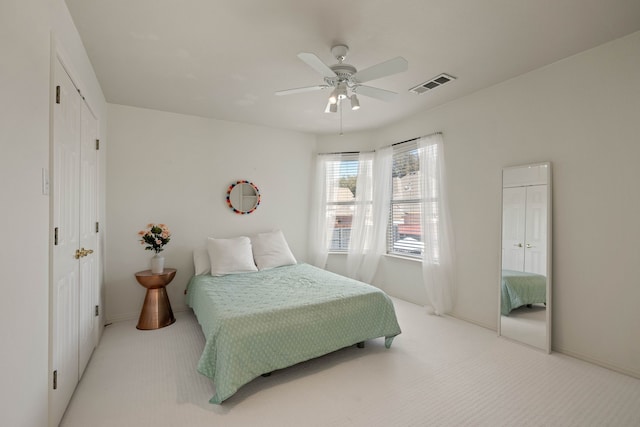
[[243, 197]]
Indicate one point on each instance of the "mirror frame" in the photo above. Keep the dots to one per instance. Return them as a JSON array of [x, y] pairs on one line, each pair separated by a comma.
[[549, 305], [234, 208]]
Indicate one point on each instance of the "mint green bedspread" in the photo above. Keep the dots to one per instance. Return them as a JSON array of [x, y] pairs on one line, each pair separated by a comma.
[[255, 323], [520, 288]]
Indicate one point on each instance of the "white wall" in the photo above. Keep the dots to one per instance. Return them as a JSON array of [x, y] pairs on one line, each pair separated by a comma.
[[582, 114], [24, 120], [25, 43], [175, 169]]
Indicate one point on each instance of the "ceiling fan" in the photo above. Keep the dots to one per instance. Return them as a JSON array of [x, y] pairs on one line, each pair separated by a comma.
[[345, 78]]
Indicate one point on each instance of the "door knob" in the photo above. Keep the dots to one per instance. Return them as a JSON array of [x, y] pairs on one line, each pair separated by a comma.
[[519, 245], [82, 252], [529, 245]]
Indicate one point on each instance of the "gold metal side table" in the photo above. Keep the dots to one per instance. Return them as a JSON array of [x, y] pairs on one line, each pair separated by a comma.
[[156, 311]]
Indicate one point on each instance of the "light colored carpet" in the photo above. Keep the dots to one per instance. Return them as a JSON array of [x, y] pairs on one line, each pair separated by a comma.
[[439, 372]]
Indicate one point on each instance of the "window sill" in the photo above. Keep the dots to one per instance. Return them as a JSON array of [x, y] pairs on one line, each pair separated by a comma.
[[406, 258]]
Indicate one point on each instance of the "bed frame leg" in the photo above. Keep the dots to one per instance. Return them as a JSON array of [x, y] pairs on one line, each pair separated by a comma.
[[360, 344]]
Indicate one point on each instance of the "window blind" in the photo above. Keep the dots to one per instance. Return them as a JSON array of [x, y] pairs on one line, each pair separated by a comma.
[[404, 234], [341, 182]]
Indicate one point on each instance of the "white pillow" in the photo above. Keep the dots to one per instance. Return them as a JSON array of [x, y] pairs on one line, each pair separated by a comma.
[[230, 256], [271, 250], [201, 261]]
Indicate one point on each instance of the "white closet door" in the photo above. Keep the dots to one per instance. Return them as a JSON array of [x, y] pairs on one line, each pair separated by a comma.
[[88, 289], [65, 268], [535, 260], [513, 228]]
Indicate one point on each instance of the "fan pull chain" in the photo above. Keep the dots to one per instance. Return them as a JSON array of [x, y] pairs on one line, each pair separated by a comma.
[[340, 107]]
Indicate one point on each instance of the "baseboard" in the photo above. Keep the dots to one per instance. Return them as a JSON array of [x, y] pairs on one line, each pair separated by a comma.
[[134, 316], [602, 363], [122, 317], [482, 325]]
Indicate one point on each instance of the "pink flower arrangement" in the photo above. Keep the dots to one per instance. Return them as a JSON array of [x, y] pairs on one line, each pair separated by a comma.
[[155, 236]]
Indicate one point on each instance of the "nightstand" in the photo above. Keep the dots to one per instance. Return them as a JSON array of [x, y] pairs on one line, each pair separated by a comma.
[[156, 311]]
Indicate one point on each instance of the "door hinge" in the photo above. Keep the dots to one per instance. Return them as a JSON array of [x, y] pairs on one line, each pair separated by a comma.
[[57, 94], [55, 380], [97, 144], [97, 310], [97, 227], [55, 236]]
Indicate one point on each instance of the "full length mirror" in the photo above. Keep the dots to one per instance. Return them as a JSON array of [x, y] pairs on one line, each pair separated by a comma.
[[525, 285]]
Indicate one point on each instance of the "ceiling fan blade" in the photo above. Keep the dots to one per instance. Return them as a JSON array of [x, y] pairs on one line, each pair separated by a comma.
[[301, 89], [314, 62], [374, 92], [383, 69]]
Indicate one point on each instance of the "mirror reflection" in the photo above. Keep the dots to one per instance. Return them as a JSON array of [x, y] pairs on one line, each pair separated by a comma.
[[243, 197], [525, 291]]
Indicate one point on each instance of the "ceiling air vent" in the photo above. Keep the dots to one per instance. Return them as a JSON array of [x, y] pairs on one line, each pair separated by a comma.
[[432, 84]]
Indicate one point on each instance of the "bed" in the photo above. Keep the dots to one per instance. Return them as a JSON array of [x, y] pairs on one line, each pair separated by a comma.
[[520, 288], [258, 322]]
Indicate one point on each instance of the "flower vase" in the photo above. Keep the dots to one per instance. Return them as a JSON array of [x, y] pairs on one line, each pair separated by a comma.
[[157, 264]]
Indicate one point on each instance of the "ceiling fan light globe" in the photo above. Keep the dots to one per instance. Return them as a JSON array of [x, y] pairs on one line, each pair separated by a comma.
[[355, 103], [333, 98], [341, 91]]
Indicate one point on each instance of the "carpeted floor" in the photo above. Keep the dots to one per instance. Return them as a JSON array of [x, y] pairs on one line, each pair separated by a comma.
[[439, 372]]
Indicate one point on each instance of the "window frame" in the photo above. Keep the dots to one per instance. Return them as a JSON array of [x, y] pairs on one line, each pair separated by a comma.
[[342, 249], [411, 251]]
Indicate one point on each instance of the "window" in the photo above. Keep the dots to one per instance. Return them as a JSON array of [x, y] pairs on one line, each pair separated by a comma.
[[404, 233], [413, 213], [341, 181]]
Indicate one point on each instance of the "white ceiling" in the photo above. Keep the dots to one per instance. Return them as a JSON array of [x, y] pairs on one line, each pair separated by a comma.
[[225, 59]]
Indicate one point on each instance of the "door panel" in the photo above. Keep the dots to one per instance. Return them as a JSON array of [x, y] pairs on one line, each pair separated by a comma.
[[513, 228], [88, 322], [535, 260], [65, 268], [524, 229], [66, 330]]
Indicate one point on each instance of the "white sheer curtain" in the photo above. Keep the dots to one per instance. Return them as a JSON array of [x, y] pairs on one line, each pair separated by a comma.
[[361, 220], [371, 214], [438, 256], [322, 220]]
